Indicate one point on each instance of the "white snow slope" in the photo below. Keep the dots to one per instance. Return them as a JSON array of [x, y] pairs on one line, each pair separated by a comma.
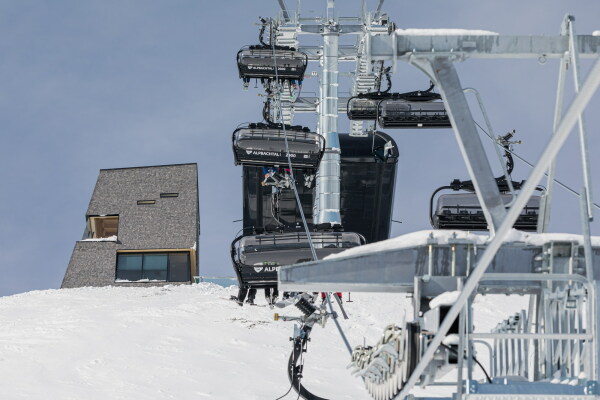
[[183, 342]]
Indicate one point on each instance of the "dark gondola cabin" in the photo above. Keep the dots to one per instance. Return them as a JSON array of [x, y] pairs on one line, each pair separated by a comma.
[[267, 62], [268, 144], [273, 234], [397, 113], [257, 258], [463, 211], [362, 108], [400, 110]]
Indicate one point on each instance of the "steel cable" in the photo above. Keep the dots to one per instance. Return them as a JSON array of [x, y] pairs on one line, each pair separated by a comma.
[[298, 202], [564, 186]]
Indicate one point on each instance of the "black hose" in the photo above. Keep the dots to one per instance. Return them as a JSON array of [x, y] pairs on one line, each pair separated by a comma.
[[262, 31], [380, 76], [487, 376], [267, 107], [388, 78], [275, 199], [295, 371], [431, 86], [266, 112], [286, 393]]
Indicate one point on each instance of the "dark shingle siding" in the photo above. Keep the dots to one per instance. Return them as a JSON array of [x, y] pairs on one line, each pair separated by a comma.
[[171, 223], [92, 264]]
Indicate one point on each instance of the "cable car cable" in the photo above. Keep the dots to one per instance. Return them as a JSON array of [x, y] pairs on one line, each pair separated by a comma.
[[564, 186]]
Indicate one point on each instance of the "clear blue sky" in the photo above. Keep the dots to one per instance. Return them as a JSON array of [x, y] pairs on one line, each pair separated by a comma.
[[86, 85]]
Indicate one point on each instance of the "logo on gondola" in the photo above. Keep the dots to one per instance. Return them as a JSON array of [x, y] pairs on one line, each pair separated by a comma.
[[267, 266], [270, 67], [266, 153]]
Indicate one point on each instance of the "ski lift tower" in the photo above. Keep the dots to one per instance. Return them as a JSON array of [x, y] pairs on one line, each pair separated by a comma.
[[549, 351], [328, 104]]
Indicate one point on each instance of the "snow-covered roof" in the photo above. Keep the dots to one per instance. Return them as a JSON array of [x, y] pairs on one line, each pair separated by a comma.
[[422, 238], [106, 239], [445, 32]]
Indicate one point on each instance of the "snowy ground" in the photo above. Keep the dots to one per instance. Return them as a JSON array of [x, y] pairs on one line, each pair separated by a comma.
[[183, 342]]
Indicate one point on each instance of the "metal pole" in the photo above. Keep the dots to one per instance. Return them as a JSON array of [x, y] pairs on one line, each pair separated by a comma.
[[537, 173], [492, 136], [461, 353], [441, 70], [587, 242], [592, 299], [574, 52], [327, 198], [469, 330], [592, 310], [546, 205], [532, 346]]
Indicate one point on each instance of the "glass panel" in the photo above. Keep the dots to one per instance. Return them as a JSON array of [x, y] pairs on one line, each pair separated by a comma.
[[129, 267], [155, 266], [179, 267]]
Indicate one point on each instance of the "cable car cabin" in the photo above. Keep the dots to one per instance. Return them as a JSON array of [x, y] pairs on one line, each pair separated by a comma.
[[399, 113], [257, 258], [368, 179], [259, 62], [265, 145], [462, 211], [363, 108], [368, 175]]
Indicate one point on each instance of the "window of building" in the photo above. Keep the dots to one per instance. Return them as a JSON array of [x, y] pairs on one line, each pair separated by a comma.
[[102, 227], [167, 195], [153, 266], [142, 202]]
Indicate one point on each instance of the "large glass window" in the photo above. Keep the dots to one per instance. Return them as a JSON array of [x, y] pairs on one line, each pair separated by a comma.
[[179, 267], [167, 266], [155, 267], [129, 267]]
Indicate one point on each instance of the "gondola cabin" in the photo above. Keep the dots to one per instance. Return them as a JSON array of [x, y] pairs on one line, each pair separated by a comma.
[[361, 108], [268, 145], [257, 258], [266, 62], [463, 211], [398, 114], [273, 234]]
